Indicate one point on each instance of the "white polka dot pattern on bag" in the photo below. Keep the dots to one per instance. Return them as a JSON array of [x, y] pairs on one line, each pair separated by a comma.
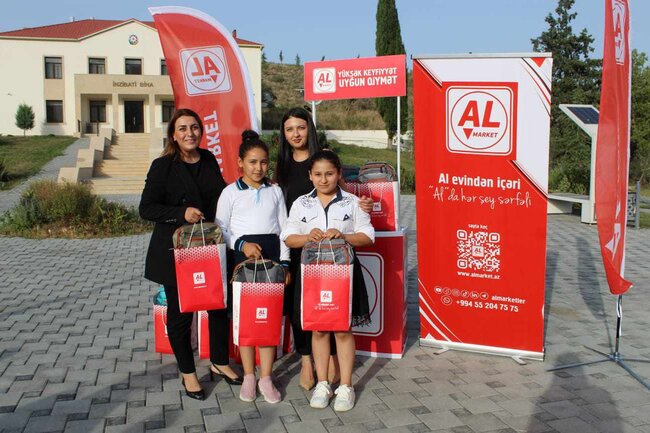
[[262, 289], [330, 272], [196, 254], [374, 190]]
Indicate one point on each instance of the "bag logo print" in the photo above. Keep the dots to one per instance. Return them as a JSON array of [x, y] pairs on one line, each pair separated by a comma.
[[261, 313], [326, 296], [199, 278]]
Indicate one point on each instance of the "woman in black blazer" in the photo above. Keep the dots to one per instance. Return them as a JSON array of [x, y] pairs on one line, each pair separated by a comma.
[[183, 186]]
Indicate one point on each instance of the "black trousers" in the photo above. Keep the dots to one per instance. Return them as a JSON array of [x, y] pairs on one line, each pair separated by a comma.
[[179, 330]]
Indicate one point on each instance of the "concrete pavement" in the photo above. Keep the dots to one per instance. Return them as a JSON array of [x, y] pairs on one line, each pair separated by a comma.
[[76, 354]]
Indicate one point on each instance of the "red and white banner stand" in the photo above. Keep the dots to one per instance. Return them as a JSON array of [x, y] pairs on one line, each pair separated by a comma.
[[369, 77], [481, 155], [613, 144], [208, 75], [384, 270]]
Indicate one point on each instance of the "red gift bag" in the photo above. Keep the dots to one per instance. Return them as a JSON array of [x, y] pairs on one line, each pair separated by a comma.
[[285, 346], [257, 313], [161, 339], [326, 301], [201, 277], [384, 195]]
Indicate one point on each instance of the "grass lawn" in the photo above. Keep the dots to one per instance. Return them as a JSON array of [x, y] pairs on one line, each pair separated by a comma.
[[644, 220], [25, 156]]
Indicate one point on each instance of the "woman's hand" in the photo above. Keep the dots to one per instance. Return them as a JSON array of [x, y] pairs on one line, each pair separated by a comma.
[[365, 203], [287, 277], [332, 234], [252, 250], [315, 235], [193, 215]]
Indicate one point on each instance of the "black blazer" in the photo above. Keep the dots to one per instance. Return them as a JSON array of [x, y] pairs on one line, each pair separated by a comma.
[[169, 190]]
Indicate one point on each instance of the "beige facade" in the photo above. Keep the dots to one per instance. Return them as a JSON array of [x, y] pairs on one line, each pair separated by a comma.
[[80, 101]]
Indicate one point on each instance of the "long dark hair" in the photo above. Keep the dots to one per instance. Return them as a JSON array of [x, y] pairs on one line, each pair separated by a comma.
[[285, 151], [171, 147]]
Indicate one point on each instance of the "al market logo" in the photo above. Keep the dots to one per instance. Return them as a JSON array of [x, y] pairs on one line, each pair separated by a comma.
[[205, 70], [480, 119], [324, 80], [619, 12]]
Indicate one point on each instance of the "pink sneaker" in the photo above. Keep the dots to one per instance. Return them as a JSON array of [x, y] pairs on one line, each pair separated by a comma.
[[268, 390], [247, 391]]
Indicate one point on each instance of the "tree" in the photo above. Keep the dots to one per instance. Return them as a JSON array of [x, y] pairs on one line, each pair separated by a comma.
[[263, 58], [297, 60], [388, 41], [281, 56], [640, 118], [576, 79], [25, 117]]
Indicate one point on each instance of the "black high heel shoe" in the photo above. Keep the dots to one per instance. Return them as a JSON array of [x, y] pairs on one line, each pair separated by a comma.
[[196, 395], [229, 380]]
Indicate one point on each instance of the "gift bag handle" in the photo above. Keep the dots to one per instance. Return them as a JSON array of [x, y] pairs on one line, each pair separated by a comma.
[[265, 268], [331, 249], [192, 233]]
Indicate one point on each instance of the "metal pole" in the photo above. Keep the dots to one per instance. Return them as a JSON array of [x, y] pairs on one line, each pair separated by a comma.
[[399, 156], [313, 111], [637, 214], [619, 325]]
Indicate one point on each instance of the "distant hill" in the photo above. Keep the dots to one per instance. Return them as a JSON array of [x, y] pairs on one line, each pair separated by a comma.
[[282, 89]]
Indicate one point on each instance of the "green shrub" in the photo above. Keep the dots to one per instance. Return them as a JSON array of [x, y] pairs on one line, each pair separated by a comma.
[[47, 208], [407, 180], [4, 174]]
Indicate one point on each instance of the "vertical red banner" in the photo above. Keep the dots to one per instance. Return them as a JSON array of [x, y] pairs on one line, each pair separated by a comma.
[[613, 145], [481, 155], [208, 75]]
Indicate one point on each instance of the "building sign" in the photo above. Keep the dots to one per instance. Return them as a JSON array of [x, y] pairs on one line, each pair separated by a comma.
[[481, 155], [133, 83], [371, 77]]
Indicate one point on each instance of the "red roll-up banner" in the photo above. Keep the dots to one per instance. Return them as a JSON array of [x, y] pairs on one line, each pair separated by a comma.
[[481, 165], [208, 75], [613, 144]]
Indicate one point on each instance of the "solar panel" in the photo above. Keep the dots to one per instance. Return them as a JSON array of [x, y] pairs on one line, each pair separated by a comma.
[[587, 115]]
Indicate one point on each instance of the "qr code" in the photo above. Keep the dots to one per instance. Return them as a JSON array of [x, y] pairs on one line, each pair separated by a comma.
[[478, 250]]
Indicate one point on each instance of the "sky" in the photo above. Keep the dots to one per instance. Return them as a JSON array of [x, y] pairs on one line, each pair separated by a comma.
[[340, 29]]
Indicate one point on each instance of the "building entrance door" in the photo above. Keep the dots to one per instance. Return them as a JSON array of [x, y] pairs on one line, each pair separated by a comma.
[[133, 116]]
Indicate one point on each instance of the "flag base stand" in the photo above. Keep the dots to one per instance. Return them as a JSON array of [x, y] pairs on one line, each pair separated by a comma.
[[614, 356]]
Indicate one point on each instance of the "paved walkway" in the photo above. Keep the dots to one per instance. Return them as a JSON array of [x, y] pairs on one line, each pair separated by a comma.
[[76, 354], [49, 171]]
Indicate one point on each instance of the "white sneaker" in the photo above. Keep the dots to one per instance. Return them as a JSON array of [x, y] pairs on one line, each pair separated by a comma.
[[344, 398], [320, 398]]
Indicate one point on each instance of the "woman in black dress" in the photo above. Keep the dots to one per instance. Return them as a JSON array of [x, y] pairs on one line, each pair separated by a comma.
[[183, 186], [298, 142]]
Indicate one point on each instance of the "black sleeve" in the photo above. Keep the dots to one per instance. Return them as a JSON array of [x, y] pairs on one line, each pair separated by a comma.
[[152, 203]]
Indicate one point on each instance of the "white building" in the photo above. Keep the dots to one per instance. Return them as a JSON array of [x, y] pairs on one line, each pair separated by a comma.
[[89, 73]]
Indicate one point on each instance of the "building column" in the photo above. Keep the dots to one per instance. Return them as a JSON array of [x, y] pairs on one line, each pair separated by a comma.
[[115, 103], [152, 113], [79, 126]]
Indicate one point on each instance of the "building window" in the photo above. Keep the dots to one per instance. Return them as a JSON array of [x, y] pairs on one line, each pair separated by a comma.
[[54, 111], [163, 67], [98, 111], [133, 66], [96, 66], [53, 67], [167, 110]]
